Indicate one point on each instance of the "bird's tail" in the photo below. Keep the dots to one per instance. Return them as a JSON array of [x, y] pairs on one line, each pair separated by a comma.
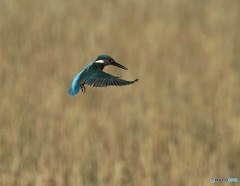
[[73, 92]]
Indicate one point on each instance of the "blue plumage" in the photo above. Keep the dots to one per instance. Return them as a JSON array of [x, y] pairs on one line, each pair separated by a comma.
[[93, 75], [74, 89]]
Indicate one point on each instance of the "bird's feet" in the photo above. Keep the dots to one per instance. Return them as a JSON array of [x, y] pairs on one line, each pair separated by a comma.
[[83, 88]]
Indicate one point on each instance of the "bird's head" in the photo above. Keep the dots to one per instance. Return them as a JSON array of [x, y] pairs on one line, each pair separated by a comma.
[[107, 60]]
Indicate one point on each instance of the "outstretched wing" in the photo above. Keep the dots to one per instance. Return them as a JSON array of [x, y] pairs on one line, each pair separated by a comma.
[[99, 78]]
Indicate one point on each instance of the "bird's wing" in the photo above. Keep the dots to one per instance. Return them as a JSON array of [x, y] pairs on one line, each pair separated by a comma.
[[99, 78]]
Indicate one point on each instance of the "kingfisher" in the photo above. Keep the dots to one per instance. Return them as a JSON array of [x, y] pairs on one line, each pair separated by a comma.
[[93, 75]]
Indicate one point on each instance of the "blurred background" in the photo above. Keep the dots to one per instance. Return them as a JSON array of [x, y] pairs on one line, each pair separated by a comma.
[[179, 125]]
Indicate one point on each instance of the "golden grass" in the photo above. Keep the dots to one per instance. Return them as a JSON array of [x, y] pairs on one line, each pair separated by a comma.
[[179, 125]]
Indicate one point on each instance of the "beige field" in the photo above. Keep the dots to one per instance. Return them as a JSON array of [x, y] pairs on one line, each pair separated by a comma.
[[179, 125]]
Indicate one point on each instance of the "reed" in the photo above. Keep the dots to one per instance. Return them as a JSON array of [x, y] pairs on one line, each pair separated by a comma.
[[179, 125]]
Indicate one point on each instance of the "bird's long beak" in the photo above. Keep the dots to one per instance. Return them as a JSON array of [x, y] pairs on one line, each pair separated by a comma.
[[118, 65]]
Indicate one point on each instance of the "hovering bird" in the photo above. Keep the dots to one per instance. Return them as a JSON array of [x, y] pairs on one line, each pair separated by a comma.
[[93, 75]]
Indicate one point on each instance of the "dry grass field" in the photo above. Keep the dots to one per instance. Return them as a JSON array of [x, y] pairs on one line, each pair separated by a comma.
[[179, 125]]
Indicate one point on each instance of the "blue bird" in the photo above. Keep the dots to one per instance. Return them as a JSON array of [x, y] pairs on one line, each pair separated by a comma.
[[93, 75]]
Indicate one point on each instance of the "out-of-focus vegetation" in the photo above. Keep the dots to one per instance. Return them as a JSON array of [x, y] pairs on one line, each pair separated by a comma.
[[179, 125]]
